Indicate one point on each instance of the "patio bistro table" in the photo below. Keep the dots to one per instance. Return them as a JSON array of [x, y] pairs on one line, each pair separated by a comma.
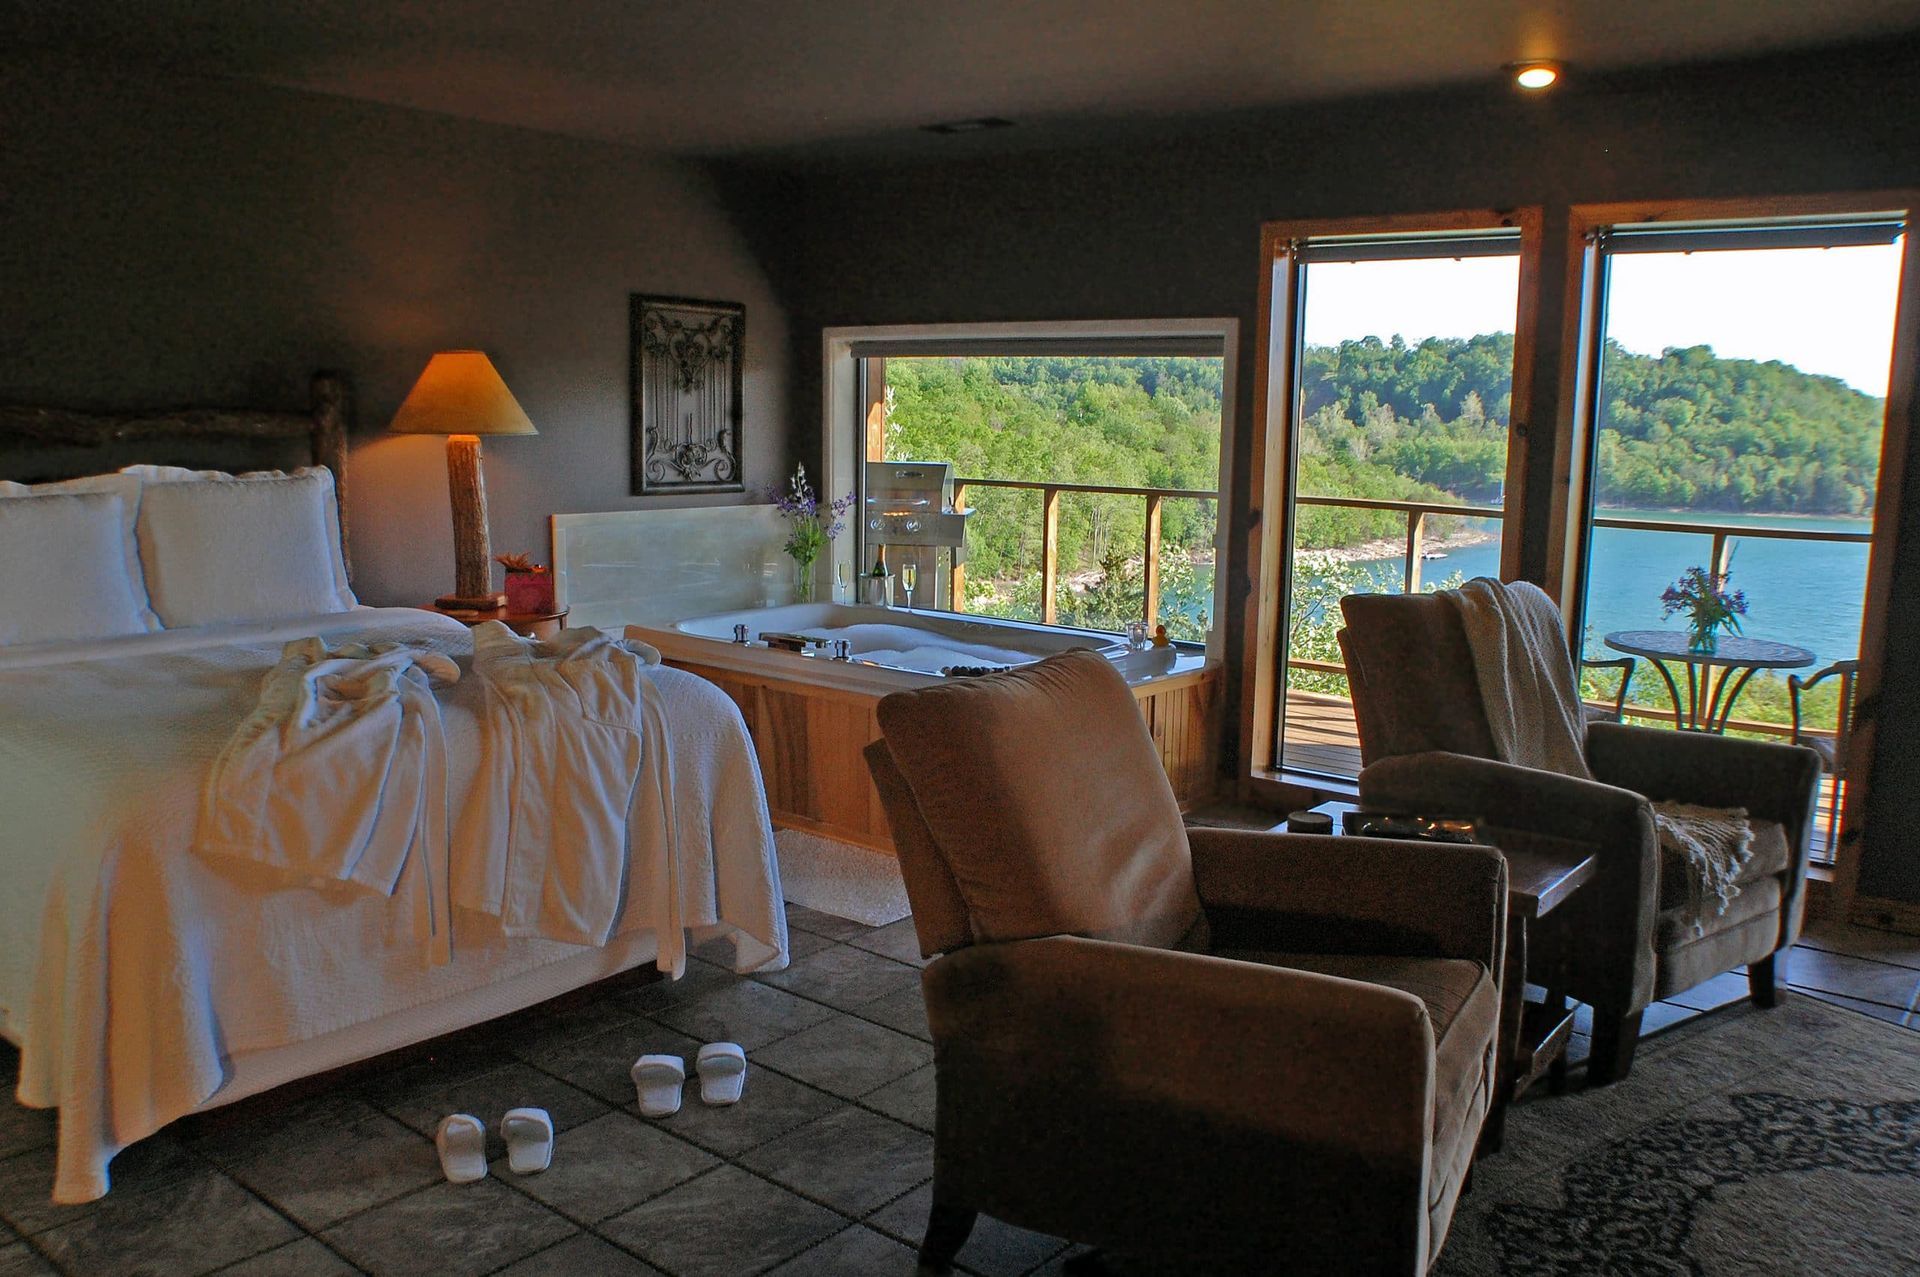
[[1709, 700]]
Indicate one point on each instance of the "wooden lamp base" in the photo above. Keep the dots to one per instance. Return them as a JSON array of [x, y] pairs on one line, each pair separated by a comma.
[[472, 552]]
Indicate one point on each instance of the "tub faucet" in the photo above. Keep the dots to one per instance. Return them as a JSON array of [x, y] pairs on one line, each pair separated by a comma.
[[843, 649], [740, 633]]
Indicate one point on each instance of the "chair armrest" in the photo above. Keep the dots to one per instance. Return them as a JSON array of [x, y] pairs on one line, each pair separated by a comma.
[[1772, 781], [1304, 893], [1308, 1059], [1506, 796]]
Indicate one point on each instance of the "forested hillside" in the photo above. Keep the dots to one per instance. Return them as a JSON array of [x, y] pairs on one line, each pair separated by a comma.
[[1427, 421], [1145, 422], [1685, 429]]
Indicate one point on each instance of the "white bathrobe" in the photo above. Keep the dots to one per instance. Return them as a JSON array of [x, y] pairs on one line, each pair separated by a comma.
[[573, 781], [340, 773]]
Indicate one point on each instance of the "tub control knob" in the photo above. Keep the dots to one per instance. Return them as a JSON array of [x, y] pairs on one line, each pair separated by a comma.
[[739, 633], [843, 649]]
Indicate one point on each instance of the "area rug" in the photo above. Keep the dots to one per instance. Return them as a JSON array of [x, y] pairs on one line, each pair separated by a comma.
[[1744, 1141], [839, 878]]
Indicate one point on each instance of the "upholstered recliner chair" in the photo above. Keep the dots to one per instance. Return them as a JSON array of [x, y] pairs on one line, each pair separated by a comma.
[[1241, 1051], [1625, 939]]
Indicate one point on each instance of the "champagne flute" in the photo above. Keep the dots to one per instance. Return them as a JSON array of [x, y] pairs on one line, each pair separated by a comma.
[[840, 582], [909, 577]]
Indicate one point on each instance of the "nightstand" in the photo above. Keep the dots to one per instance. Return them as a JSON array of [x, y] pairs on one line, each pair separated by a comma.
[[540, 625]]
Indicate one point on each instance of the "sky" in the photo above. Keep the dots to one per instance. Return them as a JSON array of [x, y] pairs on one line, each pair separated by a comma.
[[1822, 310]]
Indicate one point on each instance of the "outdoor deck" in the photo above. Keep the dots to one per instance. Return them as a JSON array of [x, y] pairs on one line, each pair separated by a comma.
[[1320, 735]]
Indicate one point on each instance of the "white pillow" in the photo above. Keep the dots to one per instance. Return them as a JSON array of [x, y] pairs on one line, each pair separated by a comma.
[[64, 573], [221, 548]]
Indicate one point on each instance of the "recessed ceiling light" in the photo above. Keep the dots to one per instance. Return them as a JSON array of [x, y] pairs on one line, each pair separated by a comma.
[[1536, 74], [977, 125]]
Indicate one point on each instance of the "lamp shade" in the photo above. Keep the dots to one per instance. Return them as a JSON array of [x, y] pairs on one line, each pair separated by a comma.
[[459, 393]]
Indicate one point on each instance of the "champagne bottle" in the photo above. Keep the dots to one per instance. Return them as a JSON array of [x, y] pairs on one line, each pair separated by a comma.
[[880, 564]]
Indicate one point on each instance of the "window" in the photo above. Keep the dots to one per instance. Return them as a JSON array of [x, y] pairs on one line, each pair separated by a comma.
[[1736, 411], [1394, 350], [1089, 465]]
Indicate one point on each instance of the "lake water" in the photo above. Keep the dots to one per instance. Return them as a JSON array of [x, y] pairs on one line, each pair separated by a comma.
[[1809, 593]]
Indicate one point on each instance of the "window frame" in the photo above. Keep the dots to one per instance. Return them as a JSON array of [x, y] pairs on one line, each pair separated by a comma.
[[1576, 436], [847, 402], [1259, 772]]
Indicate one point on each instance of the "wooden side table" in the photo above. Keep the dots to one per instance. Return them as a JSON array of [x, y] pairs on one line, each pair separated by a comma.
[[540, 625], [1533, 1037]]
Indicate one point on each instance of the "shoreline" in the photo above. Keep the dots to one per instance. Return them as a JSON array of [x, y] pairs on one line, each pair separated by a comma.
[[1387, 548], [1720, 516]]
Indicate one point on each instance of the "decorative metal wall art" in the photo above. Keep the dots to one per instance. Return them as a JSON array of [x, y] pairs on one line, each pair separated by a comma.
[[686, 364]]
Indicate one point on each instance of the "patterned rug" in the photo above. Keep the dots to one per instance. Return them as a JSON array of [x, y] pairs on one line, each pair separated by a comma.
[[1743, 1142]]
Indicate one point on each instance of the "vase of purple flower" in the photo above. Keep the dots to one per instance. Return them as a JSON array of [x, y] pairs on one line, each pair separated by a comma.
[[1710, 607], [811, 527]]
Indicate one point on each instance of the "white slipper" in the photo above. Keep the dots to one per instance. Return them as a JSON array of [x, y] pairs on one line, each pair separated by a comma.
[[657, 1079], [723, 1072], [529, 1137], [462, 1142]]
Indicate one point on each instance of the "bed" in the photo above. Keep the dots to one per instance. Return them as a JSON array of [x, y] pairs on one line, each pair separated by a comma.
[[143, 980]]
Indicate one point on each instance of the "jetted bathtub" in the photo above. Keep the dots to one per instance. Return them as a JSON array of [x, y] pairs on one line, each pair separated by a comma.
[[887, 642], [811, 714]]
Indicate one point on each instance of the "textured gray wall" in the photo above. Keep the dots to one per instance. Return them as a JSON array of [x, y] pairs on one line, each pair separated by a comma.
[[167, 241]]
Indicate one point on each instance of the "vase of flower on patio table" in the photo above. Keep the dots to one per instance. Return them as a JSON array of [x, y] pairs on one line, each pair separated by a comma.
[[1709, 605]]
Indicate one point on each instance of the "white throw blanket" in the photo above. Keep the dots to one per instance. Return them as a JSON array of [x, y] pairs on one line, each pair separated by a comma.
[[1717, 842], [1527, 682], [570, 728], [340, 775], [1532, 698]]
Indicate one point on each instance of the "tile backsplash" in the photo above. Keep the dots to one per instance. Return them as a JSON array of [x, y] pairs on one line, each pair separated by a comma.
[[645, 567]]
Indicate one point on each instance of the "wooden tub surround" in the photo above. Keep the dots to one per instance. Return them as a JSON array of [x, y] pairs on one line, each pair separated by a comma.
[[810, 739]]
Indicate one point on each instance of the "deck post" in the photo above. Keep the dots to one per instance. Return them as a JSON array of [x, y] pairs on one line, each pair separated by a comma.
[[1722, 552], [957, 580], [1150, 569], [1049, 553], [1416, 534]]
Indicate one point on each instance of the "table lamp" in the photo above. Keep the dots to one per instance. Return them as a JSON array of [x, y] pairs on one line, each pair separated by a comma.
[[459, 395]]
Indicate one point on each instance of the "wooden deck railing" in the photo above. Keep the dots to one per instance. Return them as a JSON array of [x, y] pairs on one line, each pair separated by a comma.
[[1723, 536], [1413, 541], [1416, 513], [1050, 494]]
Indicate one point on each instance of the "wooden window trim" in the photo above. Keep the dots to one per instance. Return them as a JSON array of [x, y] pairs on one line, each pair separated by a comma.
[[1270, 470]]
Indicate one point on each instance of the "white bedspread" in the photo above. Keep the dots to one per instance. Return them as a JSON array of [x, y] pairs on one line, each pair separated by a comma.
[[133, 971]]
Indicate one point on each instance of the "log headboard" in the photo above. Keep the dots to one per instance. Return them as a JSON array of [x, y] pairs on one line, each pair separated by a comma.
[[42, 443]]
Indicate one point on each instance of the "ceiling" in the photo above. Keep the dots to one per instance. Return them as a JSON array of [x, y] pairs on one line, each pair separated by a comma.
[[726, 76]]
